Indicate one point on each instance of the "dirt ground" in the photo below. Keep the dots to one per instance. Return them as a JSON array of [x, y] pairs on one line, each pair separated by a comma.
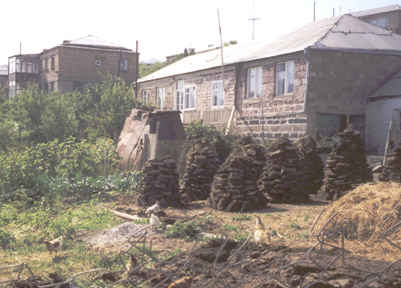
[[283, 262]]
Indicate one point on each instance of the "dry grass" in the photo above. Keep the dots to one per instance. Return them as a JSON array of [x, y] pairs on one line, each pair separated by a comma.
[[364, 215]]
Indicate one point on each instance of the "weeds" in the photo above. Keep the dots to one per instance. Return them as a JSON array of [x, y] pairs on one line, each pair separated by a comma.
[[242, 217]]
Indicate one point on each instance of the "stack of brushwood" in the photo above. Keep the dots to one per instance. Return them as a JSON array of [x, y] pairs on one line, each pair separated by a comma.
[[280, 180], [160, 182], [202, 163], [392, 168], [234, 187], [346, 166], [311, 166]]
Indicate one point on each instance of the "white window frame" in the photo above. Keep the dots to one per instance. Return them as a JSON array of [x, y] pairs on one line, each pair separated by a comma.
[[189, 104], [145, 96], [184, 93], [179, 95], [217, 93], [254, 82], [288, 87], [161, 97]]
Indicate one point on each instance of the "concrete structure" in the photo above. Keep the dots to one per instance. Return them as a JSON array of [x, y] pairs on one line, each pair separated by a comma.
[[313, 81], [72, 65], [148, 136]]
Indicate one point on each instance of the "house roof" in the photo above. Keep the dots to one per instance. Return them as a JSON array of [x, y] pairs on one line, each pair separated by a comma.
[[390, 89], [92, 41], [380, 10], [342, 32], [3, 70]]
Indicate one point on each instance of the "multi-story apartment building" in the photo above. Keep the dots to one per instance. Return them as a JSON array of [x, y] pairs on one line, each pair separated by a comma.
[[3, 78], [72, 65]]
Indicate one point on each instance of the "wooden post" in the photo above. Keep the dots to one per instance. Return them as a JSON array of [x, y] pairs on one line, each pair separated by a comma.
[[387, 143]]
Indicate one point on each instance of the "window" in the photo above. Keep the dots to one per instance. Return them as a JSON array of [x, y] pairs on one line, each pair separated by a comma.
[[218, 93], [284, 78], [161, 98], [52, 63], [47, 65], [185, 97], [190, 97], [179, 101], [254, 82], [145, 96], [124, 65]]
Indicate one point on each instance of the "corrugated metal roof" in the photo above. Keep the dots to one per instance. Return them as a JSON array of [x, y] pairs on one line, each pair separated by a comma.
[[342, 32], [379, 10], [3, 70], [391, 88], [92, 41]]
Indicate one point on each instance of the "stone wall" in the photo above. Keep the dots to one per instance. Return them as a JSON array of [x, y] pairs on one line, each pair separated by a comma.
[[340, 82], [273, 116], [202, 80]]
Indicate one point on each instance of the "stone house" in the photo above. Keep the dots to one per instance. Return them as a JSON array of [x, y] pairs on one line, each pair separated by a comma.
[[72, 65], [312, 81]]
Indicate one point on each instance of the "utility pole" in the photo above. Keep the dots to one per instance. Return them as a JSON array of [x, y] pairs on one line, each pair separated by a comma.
[[253, 19], [314, 11]]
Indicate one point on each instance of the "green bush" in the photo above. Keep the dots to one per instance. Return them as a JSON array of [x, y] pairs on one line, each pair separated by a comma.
[[57, 169], [223, 143], [7, 240]]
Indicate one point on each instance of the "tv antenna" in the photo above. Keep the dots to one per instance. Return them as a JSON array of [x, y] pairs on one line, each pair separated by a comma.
[[253, 19]]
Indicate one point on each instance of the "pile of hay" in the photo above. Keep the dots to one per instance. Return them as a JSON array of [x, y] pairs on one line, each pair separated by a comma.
[[365, 214]]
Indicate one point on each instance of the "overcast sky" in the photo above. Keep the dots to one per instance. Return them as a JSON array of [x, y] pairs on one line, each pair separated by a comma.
[[162, 27]]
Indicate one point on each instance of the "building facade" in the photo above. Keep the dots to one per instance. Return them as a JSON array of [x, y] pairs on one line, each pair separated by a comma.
[[72, 65], [314, 81]]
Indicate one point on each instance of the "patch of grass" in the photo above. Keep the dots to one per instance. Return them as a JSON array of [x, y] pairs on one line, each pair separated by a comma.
[[303, 235], [230, 227], [186, 230], [141, 221], [295, 226], [241, 217], [306, 218]]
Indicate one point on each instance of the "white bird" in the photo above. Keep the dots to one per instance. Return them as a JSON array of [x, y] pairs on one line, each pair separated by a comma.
[[155, 221], [155, 208]]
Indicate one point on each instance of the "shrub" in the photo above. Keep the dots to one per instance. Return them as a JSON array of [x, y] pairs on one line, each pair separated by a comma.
[[7, 240]]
